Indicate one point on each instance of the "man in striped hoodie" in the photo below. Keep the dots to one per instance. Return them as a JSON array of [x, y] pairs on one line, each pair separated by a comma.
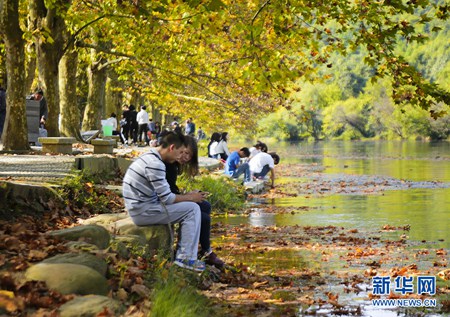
[[145, 191]]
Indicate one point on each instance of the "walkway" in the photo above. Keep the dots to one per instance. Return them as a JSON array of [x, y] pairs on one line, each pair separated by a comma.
[[35, 168], [41, 168]]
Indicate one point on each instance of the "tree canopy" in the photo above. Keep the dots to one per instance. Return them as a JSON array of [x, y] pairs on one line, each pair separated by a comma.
[[229, 62]]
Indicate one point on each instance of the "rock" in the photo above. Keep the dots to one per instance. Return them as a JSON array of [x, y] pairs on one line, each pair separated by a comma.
[[131, 240], [121, 249], [24, 198], [75, 246], [82, 258], [68, 278], [104, 220], [157, 237], [124, 244], [90, 233], [91, 306]]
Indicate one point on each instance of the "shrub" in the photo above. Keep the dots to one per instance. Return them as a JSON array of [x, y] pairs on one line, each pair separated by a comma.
[[79, 192], [225, 194]]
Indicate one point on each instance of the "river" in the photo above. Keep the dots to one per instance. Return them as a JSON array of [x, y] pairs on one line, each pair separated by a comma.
[[358, 185], [419, 195]]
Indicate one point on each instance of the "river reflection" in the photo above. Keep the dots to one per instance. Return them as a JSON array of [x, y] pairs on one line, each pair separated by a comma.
[[426, 210]]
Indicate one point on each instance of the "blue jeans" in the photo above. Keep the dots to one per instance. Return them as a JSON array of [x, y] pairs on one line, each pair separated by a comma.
[[263, 172], [242, 169], [205, 227]]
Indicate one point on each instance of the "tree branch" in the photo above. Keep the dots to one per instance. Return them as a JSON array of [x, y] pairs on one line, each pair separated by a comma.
[[104, 50]]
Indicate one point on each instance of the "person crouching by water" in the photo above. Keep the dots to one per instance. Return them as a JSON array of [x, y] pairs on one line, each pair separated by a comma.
[[145, 190]]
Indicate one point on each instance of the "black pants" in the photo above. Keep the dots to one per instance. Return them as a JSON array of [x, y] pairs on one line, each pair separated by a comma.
[[134, 132], [143, 128]]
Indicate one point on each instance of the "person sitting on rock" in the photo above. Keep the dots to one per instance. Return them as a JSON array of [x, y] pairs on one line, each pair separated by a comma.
[[187, 164], [149, 200]]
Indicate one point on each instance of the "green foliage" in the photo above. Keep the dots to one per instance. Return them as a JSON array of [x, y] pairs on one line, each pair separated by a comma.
[[79, 191], [347, 105], [225, 194]]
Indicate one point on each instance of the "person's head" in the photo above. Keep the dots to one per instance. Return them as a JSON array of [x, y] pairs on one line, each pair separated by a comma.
[[224, 136], [189, 157], [38, 94], [131, 107], [143, 108], [215, 137], [172, 145], [244, 152], [113, 115], [263, 147], [276, 157]]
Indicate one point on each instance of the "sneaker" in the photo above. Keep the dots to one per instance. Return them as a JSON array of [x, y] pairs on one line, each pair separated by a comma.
[[194, 265], [212, 259]]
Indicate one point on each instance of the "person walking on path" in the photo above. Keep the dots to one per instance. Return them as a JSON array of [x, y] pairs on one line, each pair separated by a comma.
[[143, 120], [125, 124], [145, 190], [190, 127], [134, 126], [187, 164]]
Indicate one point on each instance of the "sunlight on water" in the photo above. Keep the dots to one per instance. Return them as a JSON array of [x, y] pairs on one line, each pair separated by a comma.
[[426, 210], [417, 195]]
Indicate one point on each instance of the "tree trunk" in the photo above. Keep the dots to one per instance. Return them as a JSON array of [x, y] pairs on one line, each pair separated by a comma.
[[113, 95], [70, 115], [49, 52], [96, 95], [30, 68], [15, 136], [30, 60]]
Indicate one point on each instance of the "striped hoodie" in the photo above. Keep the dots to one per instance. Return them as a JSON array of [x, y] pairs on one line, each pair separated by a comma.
[[144, 181]]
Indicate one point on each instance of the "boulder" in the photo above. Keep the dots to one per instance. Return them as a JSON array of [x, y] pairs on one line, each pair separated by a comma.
[[126, 244], [157, 237], [76, 246], [68, 278], [104, 220], [24, 199], [82, 258], [91, 306], [90, 233]]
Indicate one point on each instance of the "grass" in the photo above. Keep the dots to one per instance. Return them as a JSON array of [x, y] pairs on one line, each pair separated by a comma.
[[175, 295], [225, 195]]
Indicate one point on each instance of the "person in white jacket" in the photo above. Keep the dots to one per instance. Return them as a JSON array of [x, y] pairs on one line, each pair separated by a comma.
[[222, 148], [143, 120]]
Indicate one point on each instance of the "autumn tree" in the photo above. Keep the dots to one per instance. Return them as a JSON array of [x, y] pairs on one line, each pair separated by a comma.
[[229, 62], [15, 136]]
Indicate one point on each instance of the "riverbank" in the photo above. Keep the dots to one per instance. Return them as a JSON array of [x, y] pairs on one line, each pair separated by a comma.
[[280, 266]]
